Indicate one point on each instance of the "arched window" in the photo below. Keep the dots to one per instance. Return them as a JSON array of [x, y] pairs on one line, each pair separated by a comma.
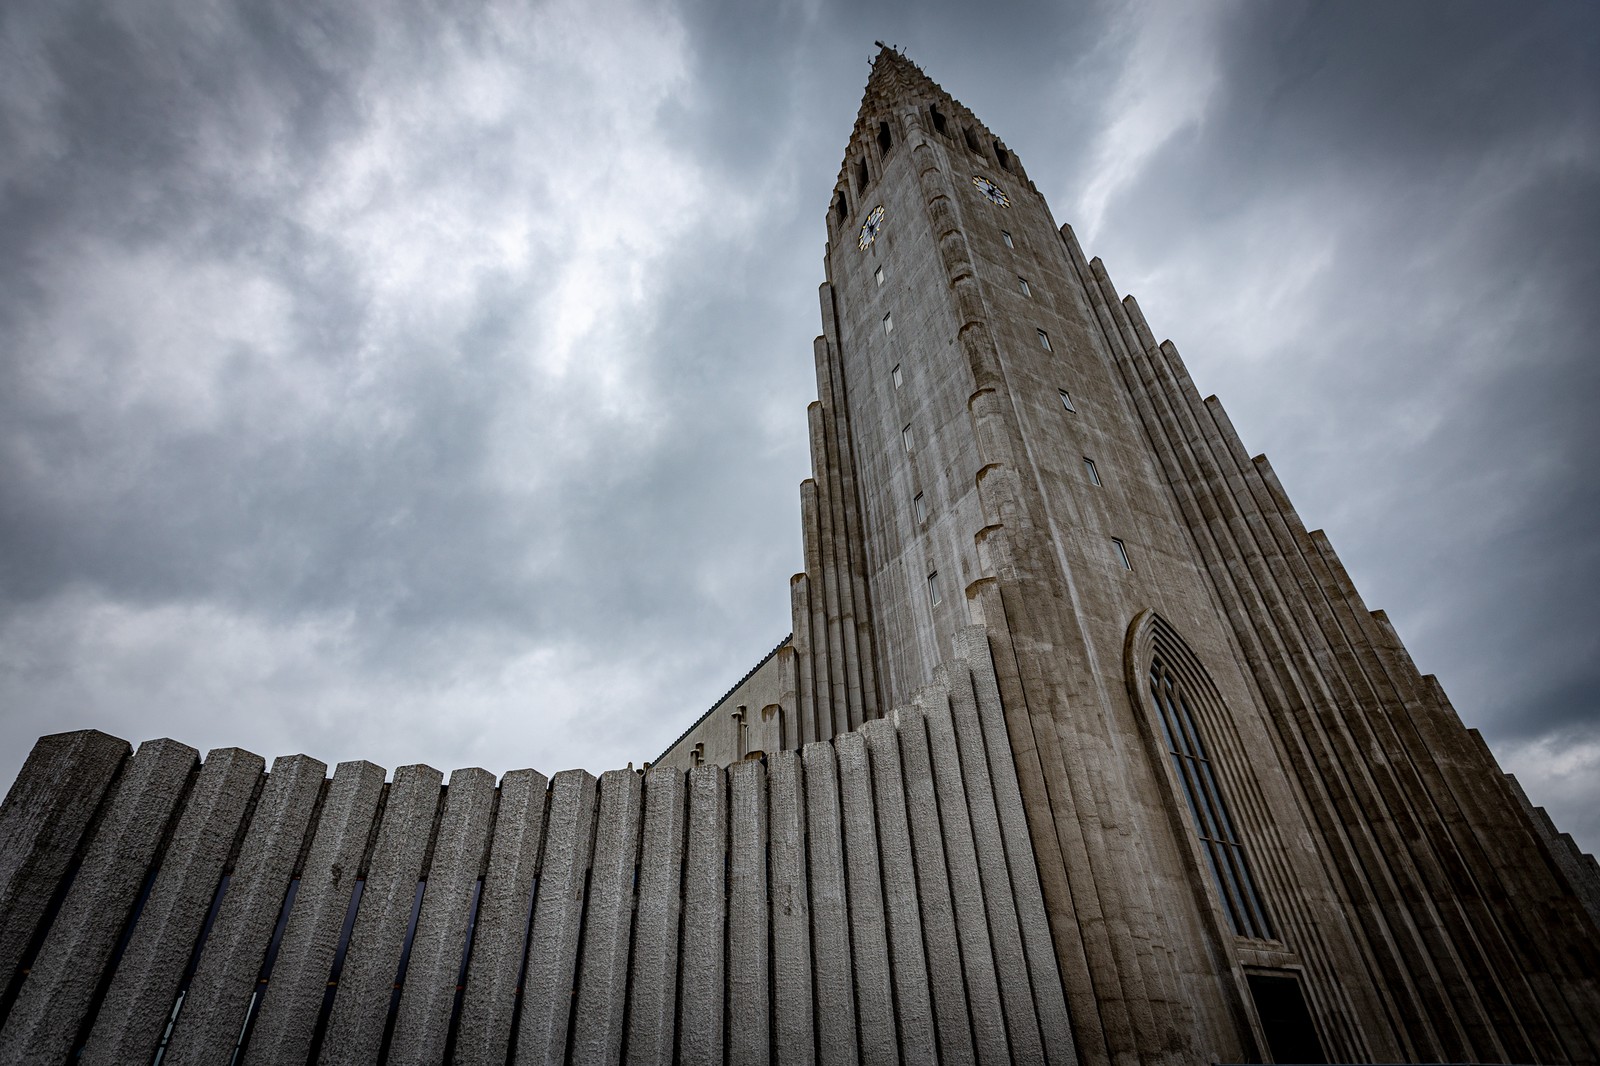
[[1182, 696]]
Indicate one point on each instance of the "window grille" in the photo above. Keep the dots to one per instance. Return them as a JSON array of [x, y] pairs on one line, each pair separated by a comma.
[[1218, 838]]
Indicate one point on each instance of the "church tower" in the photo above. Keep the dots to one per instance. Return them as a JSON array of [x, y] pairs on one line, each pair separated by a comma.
[[1259, 830]]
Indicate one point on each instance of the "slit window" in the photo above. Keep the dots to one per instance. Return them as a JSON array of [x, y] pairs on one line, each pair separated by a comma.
[[861, 174], [878, 275], [938, 120], [933, 589], [1214, 825], [1022, 283], [919, 506], [841, 210], [1006, 236], [899, 379], [1122, 553], [905, 437], [1044, 339], [888, 322], [885, 138], [1066, 400], [1002, 156], [1089, 468], [972, 141]]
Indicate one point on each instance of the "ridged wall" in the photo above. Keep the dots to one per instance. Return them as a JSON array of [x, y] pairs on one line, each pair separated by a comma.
[[859, 900]]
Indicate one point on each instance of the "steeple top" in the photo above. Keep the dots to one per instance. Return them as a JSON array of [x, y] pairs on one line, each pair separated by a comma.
[[895, 79]]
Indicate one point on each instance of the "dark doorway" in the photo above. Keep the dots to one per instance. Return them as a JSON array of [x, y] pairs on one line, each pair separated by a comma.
[[1291, 1035]]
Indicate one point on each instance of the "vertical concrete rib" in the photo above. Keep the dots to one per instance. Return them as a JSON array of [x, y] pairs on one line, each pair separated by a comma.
[[825, 691], [42, 821], [1011, 961], [44, 1022], [504, 909], [749, 1019], [141, 995], [793, 1021], [219, 992], [908, 962], [1055, 1025], [805, 657], [830, 915], [977, 952], [557, 920], [422, 1027], [291, 1003], [653, 980], [361, 1007], [701, 994], [608, 922], [875, 998], [951, 1014]]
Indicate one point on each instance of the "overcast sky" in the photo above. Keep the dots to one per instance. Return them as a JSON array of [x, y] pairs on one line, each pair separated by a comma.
[[428, 383]]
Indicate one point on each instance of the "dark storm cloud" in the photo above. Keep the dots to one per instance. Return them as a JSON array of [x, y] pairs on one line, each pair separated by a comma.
[[427, 384]]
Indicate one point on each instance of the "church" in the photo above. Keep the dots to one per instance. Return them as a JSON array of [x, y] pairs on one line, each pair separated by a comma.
[[1082, 749]]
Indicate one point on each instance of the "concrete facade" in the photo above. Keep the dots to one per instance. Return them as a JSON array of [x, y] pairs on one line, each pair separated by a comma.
[[1083, 749]]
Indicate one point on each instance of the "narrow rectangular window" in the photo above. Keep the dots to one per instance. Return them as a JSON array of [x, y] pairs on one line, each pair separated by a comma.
[[905, 437], [879, 275], [898, 379], [920, 507], [1122, 553], [933, 589], [1088, 468], [1022, 283], [1044, 339], [1066, 400], [888, 323], [1007, 238]]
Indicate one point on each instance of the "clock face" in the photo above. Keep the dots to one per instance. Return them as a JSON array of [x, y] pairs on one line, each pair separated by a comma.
[[870, 228], [992, 191]]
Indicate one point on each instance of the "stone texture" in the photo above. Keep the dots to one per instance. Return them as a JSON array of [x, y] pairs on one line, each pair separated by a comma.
[[55, 999], [141, 995], [504, 915]]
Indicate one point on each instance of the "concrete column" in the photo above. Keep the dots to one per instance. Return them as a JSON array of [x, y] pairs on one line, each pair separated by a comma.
[[608, 922], [56, 996], [225, 978], [951, 1014], [749, 923], [793, 1020], [361, 1007], [868, 927], [702, 985], [293, 999], [42, 821], [504, 914], [141, 995], [653, 982], [423, 1025], [557, 919], [914, 1008], [966, 887], [1055, 1026], [830, 910]]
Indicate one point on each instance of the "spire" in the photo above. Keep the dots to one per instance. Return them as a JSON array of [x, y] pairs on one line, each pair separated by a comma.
[[894, 80]]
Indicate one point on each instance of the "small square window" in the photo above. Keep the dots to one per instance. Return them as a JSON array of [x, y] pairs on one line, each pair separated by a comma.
[[899, 379], [879, 275], [1007, 238], [1022, 283], [1088, 468], [1066, 400], [1044, 339], [933, 589], [1122, 553], [920, 507], [905, 437], [888, 323]]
